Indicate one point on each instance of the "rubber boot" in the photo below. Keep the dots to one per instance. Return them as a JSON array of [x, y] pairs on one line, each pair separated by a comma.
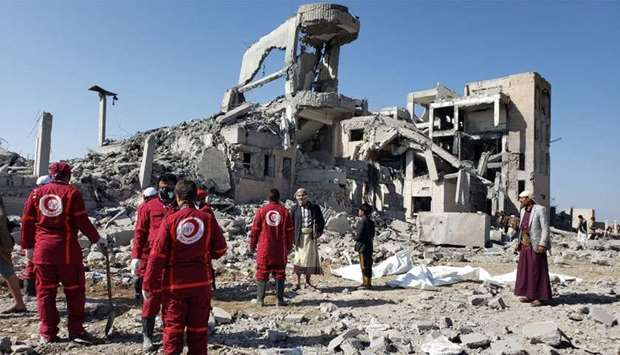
[[367, 282], [148, 324], [260, 293], [280, 293]]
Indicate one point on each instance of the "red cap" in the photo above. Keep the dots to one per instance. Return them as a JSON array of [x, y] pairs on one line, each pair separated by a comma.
[[60, 171], [201, 194]]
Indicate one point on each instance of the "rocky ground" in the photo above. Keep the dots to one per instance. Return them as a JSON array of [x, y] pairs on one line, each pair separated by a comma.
[[468, 317]]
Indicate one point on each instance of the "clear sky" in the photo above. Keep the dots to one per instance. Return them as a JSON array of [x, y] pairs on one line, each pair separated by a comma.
[[171, 61]]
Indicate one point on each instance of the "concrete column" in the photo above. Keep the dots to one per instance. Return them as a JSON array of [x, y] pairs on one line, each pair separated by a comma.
[[410, 164], [43, 146], [146, 167], [102, 116]]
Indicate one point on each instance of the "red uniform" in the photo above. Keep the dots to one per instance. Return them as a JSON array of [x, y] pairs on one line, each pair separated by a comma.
[[272, 237], [52, 216], [180, 268], [149, 217]]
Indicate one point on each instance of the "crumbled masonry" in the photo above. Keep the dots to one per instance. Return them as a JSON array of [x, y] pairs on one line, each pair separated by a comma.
[[436, 172]]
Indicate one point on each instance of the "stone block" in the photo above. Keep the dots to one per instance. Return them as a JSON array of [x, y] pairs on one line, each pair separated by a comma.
[[221, 316], [335, 343], [451, 228], [543, 332], [598, 314]]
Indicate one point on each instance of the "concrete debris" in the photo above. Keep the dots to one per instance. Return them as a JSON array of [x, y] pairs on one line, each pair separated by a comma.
[[507, 347], [546, 332], [221, 316], [441, 346], [600, 315], [338, 224], [335, 343]]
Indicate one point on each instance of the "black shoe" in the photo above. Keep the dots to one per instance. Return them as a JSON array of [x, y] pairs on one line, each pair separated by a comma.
[[85, 338], [280, 293], [148, 343], [260, 293]]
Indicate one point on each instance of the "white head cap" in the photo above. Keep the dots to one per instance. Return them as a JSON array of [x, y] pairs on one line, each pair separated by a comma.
[[525, 193], [149, 192], [42, 180]]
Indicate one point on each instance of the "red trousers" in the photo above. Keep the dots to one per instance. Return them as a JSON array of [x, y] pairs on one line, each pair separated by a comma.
[[263, 272], [72, 279], [186, 311], [151, 306]]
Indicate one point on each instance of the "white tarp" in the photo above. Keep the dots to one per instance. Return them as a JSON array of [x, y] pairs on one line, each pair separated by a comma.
[[424, 277], [394, 265]]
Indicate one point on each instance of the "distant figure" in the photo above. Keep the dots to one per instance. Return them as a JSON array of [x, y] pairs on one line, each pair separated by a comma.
[[533, 282], [309, 224], [592, 228], [6, 264], [271, 238], [179, 268], [582, 229], [364, 244], [513, 227]]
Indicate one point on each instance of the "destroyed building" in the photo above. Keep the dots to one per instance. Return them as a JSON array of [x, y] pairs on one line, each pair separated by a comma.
[[444, 153]]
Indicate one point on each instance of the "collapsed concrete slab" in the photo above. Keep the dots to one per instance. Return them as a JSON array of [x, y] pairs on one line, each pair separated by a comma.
[[458, 229]]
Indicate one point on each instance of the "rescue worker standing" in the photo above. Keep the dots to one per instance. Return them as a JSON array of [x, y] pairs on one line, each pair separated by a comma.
[[271, 238], [52, 216], [179, 268], [149, 217]]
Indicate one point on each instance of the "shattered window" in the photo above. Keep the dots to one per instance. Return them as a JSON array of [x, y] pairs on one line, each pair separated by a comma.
[[356, 135], [268, 168], [286, 168], [247, 163], [520, 187]]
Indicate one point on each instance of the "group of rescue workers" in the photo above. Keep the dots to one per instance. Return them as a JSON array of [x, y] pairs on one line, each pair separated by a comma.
[[175, 240]]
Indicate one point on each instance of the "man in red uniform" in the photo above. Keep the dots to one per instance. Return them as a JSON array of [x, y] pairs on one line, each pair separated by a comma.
[[179, 267], [149, 217], [52, 216], [272, 239], [202, 205]]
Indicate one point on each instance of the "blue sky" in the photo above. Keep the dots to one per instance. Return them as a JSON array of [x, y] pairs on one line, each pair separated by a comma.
[[171, 61]]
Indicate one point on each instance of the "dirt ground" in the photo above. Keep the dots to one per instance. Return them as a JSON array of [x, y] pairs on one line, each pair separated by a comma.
[[245, 335]]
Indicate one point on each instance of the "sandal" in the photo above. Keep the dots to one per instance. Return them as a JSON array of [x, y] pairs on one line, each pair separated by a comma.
[[525, 300], [14, 310], [537, 303]]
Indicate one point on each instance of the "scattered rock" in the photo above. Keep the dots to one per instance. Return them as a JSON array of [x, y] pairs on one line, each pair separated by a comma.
[[543, 332], [497, 303], [598, 314], [479, 300], [475, 340], [335, 343], [295, 318], [327, 307], [221, 316], [21, 349], [5, 345]]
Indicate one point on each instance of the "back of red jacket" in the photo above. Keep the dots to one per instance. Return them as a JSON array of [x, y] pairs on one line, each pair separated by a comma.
[[52, 216], [149, 217], [187, 241], [272, 234]]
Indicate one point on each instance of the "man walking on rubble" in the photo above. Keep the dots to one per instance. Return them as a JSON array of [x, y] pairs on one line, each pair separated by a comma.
[[179, 268], [363, 244], [271, 238], [582, 229], [6, 264], [533, 284], [52, 216], [309, 224], [148, 220]]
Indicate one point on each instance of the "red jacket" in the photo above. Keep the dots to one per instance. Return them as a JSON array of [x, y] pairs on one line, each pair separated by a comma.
[[181, 256], [53, 214], [207, 209], [272, 233], [149, 216]]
